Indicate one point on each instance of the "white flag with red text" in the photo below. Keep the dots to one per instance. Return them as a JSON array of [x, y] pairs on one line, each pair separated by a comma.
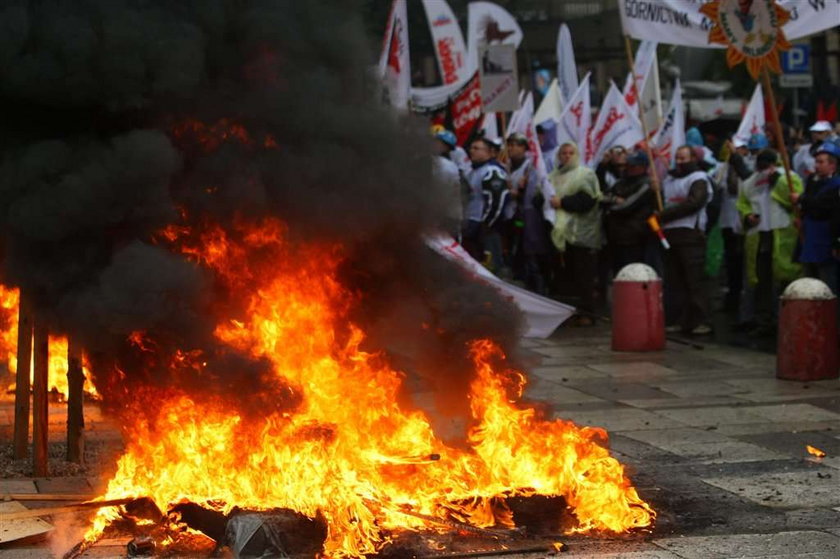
[[394, 66], [671, 134], [753, 119], [525, 125], [448, 41], [646, 73], [574, 122], [551, 107], [616, 126]]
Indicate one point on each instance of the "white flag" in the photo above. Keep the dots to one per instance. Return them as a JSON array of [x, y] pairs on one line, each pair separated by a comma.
[[551, 107], [524, 124], [567, 76], [542, 315], [616, 126], [671, 134], [448, 42], [394, 66], [574, 122], [490, 126], [646, 73], [753, 119], [489, 24], [679, 22]]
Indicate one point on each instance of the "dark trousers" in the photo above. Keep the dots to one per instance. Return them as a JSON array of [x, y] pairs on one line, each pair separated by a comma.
[[622, 255], [685, 265], [733, 254], [582, 264], [472, 239], [764, 299]]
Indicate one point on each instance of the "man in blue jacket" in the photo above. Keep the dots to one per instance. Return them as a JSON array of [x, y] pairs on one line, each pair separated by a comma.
[[820, 205]]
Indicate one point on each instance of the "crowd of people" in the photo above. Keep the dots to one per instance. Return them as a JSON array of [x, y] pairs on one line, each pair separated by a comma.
[[731, 217]]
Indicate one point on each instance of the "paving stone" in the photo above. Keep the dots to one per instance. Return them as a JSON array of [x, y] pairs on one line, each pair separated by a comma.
[[62, 485], [816, 487], [699, 388], [558, 373], [787, 544], [617, 390], [621, 419], [666, 403], [795, 412], [637, 369], [795, 443], [735, 430], [8, 486], [704, 446], [712, 416], [557, 393]]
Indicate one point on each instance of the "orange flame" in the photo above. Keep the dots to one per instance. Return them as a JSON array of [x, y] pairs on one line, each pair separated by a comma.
[[350, 451], [57, 375], [815, 451]]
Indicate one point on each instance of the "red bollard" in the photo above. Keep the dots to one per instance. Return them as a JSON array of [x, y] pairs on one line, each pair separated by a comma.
[[807, 348], [638, 319]]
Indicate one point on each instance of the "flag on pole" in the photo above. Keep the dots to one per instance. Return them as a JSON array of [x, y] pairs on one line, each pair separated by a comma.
[[616, 126], [394, 66], [490, 126], [448, 41], [551, 106], [574, 121], [681, 22], [567, 76], [753, 119], [489, 24], [646, 74], [671, 134], [524, 124]]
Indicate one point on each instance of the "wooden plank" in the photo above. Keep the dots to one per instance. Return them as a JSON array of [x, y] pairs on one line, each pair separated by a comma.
[[24, 361], [13, 530], [40, 409], [46, 497], [50, 511], [75, 398]]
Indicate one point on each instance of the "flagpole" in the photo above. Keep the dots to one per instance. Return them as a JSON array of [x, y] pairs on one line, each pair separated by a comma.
[[654, 175], [774, 113]]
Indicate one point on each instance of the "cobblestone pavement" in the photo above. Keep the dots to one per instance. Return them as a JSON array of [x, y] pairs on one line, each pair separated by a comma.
[[710, 437]]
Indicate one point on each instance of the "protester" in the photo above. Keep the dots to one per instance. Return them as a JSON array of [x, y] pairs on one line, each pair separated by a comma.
[[611, 167], [532, 215], [472, 229], [804, 160], [448, 173], [577, 229], [766, 207], [820, 206], [547, 138], [686, 192], [733, 172], [628, 205]]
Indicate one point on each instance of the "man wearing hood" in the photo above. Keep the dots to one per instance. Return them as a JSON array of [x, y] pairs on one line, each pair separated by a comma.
[[577, 227], [686, 191]]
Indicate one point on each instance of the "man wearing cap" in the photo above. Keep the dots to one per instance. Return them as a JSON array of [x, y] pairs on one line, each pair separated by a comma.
[[804, 160], [628, 204], [531, 214], [820, 204], [767, 211], [447, 172], [686, 191]]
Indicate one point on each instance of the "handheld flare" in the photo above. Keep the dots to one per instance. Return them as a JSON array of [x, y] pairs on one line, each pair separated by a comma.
[[653, 223]]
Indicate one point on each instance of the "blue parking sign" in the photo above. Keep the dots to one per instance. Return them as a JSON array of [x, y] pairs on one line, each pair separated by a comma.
[[797, 60]]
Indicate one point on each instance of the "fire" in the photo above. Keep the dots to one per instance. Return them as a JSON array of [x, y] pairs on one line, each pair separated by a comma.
[[9, 306], [815, 451], [349, 450]]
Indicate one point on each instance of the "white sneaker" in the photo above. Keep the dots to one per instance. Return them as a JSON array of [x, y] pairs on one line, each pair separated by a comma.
[[702, 330]]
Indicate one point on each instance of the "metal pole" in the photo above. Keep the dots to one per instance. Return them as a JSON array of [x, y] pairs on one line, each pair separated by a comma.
[[654, 175]]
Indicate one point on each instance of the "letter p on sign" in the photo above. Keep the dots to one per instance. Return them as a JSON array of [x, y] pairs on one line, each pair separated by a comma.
[[796, 60]]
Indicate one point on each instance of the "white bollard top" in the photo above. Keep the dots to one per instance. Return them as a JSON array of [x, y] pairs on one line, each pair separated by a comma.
[[636, 272], [808, 289]]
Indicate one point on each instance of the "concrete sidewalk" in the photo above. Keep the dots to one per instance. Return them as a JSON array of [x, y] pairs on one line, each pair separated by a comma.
[[711, 439]]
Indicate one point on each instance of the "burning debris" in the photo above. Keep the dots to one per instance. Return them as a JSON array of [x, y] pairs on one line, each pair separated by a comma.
[[814, 451], [208, 198]]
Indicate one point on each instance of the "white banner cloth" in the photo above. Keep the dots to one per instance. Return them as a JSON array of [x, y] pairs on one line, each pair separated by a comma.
[[542, 315]]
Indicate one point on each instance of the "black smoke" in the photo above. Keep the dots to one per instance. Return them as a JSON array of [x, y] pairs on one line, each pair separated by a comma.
[[91, 92]]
